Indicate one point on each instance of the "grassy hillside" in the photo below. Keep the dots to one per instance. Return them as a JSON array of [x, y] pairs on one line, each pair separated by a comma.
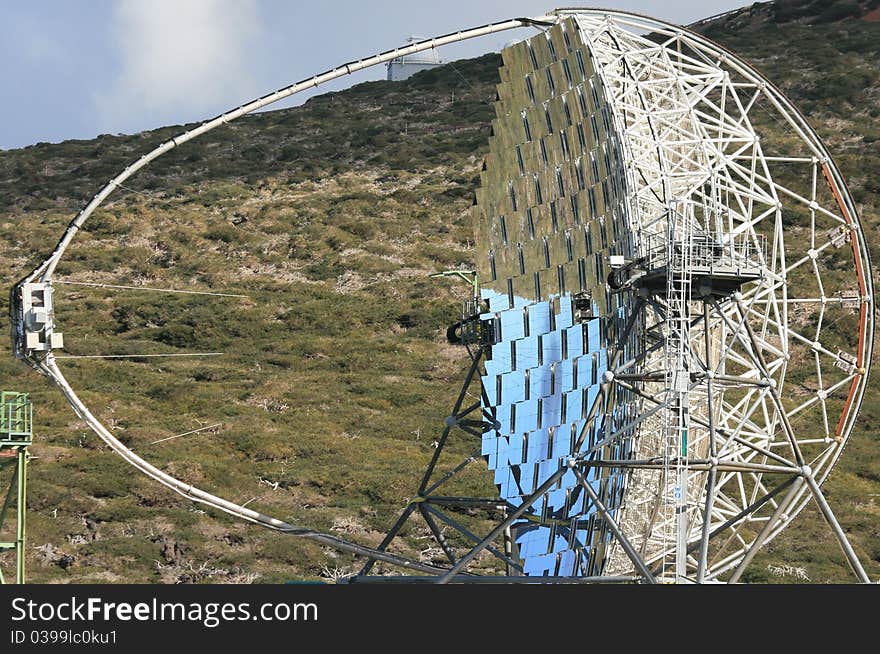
[[329, 217]]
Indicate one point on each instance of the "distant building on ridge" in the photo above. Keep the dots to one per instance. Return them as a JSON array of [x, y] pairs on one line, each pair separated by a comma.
[[405, 67]]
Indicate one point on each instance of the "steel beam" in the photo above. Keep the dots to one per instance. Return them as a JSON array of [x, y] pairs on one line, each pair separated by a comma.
[[845, 545], [768, 527], [499, 529], [613, 526]]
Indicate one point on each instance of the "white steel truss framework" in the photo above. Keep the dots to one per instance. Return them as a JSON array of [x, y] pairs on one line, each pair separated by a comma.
[[769, 386], [772, 374]]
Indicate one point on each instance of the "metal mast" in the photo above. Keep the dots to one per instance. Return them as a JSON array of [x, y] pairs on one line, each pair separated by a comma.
[[16, 418]]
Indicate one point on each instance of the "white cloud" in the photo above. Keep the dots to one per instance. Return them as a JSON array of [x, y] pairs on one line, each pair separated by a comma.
[[179, 61]]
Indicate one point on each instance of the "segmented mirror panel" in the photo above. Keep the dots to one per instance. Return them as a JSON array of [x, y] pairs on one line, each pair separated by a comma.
[[551, 209]]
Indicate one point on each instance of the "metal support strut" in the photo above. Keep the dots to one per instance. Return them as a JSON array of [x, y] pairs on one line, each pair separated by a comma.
[[15, 436]]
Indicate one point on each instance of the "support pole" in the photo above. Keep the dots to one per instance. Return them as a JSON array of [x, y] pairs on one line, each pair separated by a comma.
[[467, 533], [21, 515], [615, 529], [508, 545], [474, 368], [8, 501], [768, 527], [438, 535], [774, 392], [702, 559], [751, 508], [388, 538], [499, 529], [845, 545], [18, 487]]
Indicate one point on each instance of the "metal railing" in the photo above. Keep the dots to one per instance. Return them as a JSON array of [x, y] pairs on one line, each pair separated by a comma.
[[16, 417], [706, 251]]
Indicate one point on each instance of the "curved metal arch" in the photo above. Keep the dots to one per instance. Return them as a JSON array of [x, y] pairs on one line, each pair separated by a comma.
[[43, 273]]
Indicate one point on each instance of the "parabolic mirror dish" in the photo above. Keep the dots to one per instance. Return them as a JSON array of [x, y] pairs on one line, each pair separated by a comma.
[[552, 209], [681, 299]]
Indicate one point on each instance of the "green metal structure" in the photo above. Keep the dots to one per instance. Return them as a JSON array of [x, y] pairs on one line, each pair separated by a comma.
[[16, 435]]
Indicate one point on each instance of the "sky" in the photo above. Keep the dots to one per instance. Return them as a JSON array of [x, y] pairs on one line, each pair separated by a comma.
[[74, 69]]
